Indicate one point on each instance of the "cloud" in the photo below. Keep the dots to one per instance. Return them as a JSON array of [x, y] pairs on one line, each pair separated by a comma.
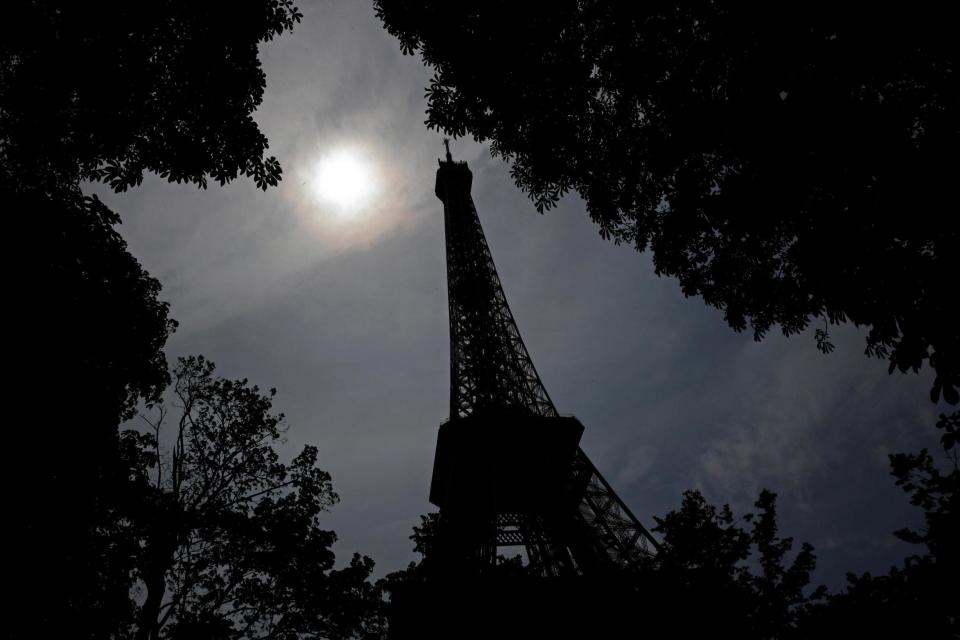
[[802, 417], [638, 464]]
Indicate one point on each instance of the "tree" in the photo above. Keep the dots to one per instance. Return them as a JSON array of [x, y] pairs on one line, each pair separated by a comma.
[[88, 330], [102, 92], [707, 563], [230, 536], [937, 493], [739, 581], [919, 598], [109, 90], [785, 163]]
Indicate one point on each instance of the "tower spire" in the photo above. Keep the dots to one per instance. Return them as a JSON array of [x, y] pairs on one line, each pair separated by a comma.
[[446, 143]]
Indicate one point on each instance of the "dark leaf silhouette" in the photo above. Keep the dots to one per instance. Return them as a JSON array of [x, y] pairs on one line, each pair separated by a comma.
[[919, 598], [88, 334], [109, 90], [230, 535], [784, 163], [103, 92], [707, 564]]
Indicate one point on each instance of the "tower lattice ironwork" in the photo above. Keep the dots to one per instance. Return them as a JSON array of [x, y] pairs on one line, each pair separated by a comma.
[[509, 470]]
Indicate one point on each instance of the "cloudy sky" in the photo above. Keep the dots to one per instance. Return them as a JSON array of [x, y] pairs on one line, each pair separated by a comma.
[[340, 302]]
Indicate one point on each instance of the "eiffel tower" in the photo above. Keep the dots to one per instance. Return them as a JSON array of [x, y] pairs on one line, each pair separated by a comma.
[[508, 471]]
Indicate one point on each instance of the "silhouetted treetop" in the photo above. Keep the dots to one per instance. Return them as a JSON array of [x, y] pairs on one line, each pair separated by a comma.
[[87, 308], [741, 581], [783, 162], [230, 543], [937, 492], [708, 556], [917, 599], [108, 90], [88, 330], [102, 91]]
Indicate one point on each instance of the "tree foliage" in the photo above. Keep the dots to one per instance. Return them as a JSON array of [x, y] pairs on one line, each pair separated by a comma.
[[98, 310], [708, 564], [88, 331], [102, 91], [740, 580], [784, 162], [918, 599], [936, 493], [230, 535], [105, 91], [717, 574]]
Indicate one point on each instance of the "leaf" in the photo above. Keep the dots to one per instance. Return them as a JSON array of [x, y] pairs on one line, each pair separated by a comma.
[[935, 390], [950, 393]]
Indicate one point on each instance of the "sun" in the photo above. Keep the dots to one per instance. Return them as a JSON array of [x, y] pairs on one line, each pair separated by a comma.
[[345, 193], [343, 180]]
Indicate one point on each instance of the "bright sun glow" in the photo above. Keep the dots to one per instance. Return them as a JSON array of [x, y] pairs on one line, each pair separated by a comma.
[[344, 179], [346, 191]]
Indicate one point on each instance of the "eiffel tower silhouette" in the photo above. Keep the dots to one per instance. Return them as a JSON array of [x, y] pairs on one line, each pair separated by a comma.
[[508, 471]]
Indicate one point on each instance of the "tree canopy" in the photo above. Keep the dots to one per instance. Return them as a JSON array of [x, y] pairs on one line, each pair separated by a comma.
[[742, 582], [229, 537], [721, 574], [783, 162], [108, 90], [103, 92], [917, 599], [89, 329], [740, 579]]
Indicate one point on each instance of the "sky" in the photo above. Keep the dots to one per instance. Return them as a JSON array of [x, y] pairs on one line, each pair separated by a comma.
[[342, 308]]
